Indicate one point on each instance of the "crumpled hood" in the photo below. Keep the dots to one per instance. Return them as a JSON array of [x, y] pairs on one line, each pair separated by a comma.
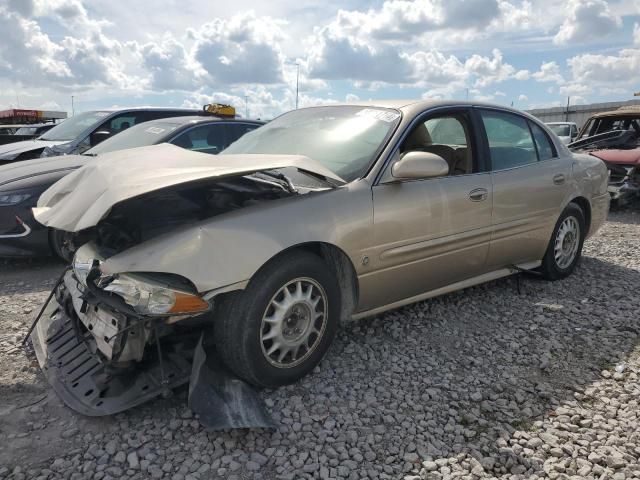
[[84, 197], [39, 166], [619, 157], [16, 148]]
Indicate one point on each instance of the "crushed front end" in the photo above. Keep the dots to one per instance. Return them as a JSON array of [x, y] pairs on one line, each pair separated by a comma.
[[102, 358], [107, 343], [624, 182]]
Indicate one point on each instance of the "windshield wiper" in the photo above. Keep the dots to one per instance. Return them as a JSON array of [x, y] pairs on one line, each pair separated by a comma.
[[89, 154], [283, 179], [329, 181]]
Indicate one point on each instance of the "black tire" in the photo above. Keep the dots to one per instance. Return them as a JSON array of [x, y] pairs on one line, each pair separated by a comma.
[[239, 326], [63, 244], [551, 268]]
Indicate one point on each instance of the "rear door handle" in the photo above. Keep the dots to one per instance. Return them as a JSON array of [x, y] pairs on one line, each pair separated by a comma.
[[478, 194], [558, 179]]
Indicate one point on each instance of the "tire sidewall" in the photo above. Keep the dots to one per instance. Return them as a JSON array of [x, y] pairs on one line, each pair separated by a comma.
[[259, 294], [551, 268]]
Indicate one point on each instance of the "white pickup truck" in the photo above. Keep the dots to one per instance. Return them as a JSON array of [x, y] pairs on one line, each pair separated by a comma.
[[567, 131]]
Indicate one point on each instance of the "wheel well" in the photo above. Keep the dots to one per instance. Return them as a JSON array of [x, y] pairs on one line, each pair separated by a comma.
[[585, 206], [341, 265]]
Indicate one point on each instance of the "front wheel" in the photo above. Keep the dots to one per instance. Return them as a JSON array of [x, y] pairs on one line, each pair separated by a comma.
[[279, 328], [63, 244], [565, 246]]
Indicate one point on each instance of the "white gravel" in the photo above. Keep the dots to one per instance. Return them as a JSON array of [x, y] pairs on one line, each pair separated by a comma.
[[478, 384]]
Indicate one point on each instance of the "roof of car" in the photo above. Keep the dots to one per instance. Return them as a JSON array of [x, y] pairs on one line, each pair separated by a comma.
[[411, 106], [200, 119], [628, 110], [560, 123]]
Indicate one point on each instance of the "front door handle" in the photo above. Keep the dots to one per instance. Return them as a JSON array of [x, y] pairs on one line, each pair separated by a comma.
[[478, 194], [559, 179]]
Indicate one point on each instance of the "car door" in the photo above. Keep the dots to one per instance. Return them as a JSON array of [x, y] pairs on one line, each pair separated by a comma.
[[530, 182], [433, 232]]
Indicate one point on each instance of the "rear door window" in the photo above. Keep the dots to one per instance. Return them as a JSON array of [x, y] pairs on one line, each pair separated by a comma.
[[209, 138], [510, 142], [237, 130], [545, 148]]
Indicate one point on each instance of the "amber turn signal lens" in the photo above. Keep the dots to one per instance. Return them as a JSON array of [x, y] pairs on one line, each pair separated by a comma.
[[186, 303]]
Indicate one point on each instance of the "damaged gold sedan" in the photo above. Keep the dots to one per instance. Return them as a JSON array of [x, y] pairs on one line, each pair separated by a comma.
[[323, 214]]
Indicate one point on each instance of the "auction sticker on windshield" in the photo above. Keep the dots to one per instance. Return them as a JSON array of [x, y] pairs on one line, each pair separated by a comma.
[[384, 115]]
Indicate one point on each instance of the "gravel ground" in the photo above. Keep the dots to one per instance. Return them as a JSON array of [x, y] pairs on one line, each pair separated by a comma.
[[483, 383]]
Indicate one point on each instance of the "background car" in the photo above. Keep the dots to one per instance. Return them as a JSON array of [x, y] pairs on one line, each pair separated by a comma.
[[614, 138], [22, 183], [323, 214], [26, 132], [566, 131], [79, 133], [8, 129]]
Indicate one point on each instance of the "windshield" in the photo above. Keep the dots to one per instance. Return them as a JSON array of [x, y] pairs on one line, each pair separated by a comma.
[[141, 135], [560, 130], [344, 139], [26, 131], [74, 126]]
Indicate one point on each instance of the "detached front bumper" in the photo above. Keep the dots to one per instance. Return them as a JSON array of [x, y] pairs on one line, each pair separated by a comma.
[[86, 382]]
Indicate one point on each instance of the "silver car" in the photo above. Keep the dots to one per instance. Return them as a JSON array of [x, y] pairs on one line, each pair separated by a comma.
[[321, 215]]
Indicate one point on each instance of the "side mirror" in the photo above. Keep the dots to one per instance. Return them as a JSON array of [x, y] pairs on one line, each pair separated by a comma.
[[416, 165], [99, 136]]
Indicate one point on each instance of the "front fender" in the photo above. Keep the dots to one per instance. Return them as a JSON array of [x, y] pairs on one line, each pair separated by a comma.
[[228, 250]]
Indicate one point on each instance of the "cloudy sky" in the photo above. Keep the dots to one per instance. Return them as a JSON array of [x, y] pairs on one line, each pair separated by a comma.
[[186, 53]]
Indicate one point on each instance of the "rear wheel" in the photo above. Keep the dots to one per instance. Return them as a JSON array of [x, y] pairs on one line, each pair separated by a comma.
[[279, 328], [565, 246]]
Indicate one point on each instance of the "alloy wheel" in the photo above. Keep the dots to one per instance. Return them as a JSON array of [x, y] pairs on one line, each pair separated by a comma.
[[294, 322]]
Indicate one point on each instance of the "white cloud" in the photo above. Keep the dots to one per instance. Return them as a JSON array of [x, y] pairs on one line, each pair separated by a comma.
[[489, 70], [587, 20], [636, 34], [607, 70], [549, 72], [523, 98], [230, 51], [405, 20], [169, 65]]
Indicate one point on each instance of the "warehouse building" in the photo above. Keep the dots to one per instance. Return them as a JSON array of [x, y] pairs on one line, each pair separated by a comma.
[[577, 113]]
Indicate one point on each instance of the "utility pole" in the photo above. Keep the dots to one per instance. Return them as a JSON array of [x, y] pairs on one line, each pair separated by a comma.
[[246, 106], [73, 110], [297, 82], [467, 93], [566, 119]]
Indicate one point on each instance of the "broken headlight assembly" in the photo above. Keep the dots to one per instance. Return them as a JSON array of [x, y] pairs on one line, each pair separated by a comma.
[[148, 296]]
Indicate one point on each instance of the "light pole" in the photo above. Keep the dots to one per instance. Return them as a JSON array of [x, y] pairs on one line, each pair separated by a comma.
[[73, 110], [297, 82], [246, 106]]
